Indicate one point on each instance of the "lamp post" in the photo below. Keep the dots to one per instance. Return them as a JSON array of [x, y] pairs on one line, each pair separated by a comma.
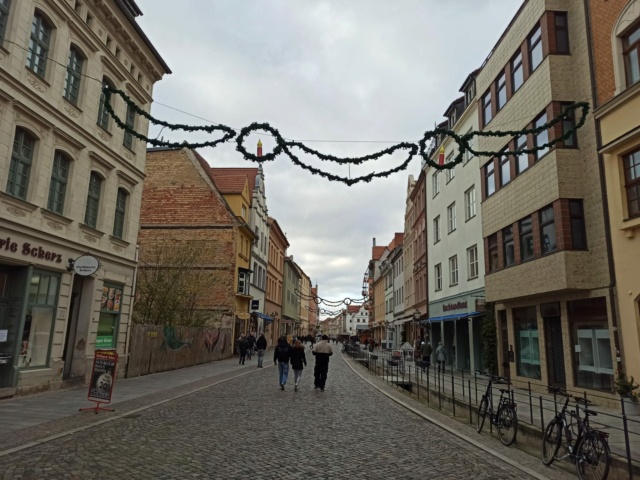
[[416, 319]]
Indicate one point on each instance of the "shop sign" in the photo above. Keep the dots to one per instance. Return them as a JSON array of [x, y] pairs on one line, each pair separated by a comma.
[[103, 341], [103, 376], [447, 307], [86, 265], [255, 304], [27, 249]]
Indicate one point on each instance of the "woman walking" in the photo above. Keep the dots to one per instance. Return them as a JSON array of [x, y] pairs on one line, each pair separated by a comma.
[[298, 359]]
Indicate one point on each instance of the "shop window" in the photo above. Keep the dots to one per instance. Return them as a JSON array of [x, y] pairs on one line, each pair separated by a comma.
[[632, 182], [20, 166], [38, 325], [527, 342], [547, 230], [508, 246], [526, 239], [5, 5], [110, 307], [58, 185]]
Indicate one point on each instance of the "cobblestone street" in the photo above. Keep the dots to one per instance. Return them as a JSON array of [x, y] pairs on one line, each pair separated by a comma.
[[248, 428]]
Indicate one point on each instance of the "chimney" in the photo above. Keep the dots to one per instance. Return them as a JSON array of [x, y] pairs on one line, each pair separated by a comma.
[[374, 241], [259, 148]]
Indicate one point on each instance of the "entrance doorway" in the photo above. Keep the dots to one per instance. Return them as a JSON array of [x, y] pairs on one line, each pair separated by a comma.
[[555, 352]]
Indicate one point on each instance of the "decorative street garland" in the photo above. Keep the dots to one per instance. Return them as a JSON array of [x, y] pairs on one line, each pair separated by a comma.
[[285, 147], [331, 303]]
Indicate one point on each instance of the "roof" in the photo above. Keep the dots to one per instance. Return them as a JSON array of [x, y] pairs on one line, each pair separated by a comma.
[[353, 308], [250, 173], [454, 105], [471, 77], [229, 183], [377, 252]]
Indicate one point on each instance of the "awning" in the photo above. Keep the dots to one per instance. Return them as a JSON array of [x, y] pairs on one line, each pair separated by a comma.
[[456, 316], [266, 318]]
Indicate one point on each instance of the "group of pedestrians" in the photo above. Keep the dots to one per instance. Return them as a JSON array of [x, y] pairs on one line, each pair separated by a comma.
[[426, 350], [247, 345], [285, 354]]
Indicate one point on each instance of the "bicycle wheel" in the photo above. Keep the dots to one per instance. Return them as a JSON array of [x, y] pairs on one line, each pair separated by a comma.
[[551, 441], [482, 412], [507, 425], [593, 458]]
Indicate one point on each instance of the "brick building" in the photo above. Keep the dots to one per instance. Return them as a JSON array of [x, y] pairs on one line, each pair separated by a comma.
[[70, 184], [615, 47], [543, 218]]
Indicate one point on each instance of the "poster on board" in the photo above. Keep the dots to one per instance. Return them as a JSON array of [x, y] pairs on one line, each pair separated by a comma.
[[103, 376]]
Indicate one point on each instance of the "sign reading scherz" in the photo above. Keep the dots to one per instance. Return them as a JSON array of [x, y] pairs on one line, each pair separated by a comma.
[[27, 249]]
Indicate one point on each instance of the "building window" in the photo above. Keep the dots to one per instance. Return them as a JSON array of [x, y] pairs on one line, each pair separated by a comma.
[[470, 93], [130, 121], [20, 166], [528, 349], [541, 138], [490, 178], [578, 231], [467, 153], [492, 244], [562, 32], [453, 270], [470, 203], [517, 72], [436, 183], [450, 173], [39, 321], [244, 212], [486, 108], [243, 283], [103, 115], [4, 17], [110, 308], [501, 91], [631, 53], [522, 159], [631, 182], [505, 170], [472, 262], [121, 210], [547, 230], [74, 73], [58, 185], [38, 45], [93, 200], [535, 48], [569, 125], [508, 247], [437, 271], [526, 239], [436, 229], [451, 216]]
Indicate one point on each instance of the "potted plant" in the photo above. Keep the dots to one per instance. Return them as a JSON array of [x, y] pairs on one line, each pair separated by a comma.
[[627, 388]]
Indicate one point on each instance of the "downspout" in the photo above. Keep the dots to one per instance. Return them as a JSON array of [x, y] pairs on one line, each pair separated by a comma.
[[605, 200], [133, 298]]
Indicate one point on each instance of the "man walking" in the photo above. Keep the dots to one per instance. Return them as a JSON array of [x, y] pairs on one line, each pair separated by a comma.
[[261, 345], [441, 356], [322, 351], [281, 357], [251, 344], [425, 351], [242, 349]]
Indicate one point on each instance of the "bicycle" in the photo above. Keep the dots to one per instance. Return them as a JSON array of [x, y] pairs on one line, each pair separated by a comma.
[[505, 417], [590, 450]]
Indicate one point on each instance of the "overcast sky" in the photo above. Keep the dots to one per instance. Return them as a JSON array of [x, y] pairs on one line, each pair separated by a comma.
[[333, 71]]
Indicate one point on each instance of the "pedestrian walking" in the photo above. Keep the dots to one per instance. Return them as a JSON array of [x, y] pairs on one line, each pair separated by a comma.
[[242, 349], [251, 344], [281, 357], [261, 345], [441, 356], [298, 362], [425, 351], [322, 351]]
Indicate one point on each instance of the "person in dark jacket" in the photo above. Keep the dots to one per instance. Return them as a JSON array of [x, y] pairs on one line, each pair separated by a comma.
[[298, 359], [281, 357], [242, 349], [251, 344], [261, 345], [322, 351]]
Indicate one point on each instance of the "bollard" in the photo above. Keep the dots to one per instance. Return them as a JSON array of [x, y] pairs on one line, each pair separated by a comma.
[[470, 414], [541, 414], [462, 384], [475, 380], [453, 394], [626, 440], [530, 403]]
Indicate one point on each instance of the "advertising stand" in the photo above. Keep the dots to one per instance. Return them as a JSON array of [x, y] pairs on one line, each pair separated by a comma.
[[103, 376]]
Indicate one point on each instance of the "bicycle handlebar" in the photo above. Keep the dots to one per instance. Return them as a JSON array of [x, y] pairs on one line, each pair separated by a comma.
[[563, 392], [494, 378]]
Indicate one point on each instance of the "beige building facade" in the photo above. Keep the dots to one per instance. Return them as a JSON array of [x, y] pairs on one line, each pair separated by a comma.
[[547, 268], [70, 185]]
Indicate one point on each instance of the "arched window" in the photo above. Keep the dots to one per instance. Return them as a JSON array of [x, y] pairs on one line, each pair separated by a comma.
[[20, 166], [74, 74], [631, 53], [130, 121], [39, 45], [93, 200], [103, 115], [58, 185], [4, 17], [121, 210]]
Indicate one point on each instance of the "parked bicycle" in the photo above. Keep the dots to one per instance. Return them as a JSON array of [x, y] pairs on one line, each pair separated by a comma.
[[590, 448], [505, 417]]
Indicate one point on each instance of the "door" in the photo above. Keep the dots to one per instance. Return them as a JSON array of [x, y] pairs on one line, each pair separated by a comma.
[[555, 352]]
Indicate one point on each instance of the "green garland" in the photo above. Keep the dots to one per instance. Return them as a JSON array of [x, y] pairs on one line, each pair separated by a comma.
[[331, 303], [285, 147]]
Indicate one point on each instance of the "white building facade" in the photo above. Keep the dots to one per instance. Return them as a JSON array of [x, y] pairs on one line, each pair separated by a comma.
[[260, 249]]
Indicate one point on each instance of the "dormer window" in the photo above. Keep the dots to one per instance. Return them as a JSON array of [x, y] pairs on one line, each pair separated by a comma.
[[470, 93]]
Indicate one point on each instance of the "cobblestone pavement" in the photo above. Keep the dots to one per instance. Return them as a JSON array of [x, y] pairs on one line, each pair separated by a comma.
[[247, 427]]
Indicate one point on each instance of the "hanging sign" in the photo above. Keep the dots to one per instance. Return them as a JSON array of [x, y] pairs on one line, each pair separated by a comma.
[[103, 376], [86, 265]]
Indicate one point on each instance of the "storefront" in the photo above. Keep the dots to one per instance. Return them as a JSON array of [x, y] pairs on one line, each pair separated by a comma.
[[457, 323], [51, 318]]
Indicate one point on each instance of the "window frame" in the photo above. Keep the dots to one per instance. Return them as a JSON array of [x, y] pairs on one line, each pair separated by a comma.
[[470, 203], [492, 249], [130, 121], [489, 178], [628, 48], [120, 213], [5, 10], [525, 235], [631, 162], [450, 173], [58, 185], [436, 230], [501, 88], [561, 31], [43, 28], [437, 273], [21, 163], [534, 42], [473, 267], [544, 223], [73, 76], [508, 240], [487, 116], [453, 270], [538, 122], [504, 160], [94, 193], [569, 123], [452, 223], [517, 66], [435, 184], [103, 115], [522, 156]]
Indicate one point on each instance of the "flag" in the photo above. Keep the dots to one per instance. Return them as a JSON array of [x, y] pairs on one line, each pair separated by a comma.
[[441, 156]]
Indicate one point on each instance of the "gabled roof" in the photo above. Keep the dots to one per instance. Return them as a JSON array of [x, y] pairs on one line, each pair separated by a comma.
[[470, 78], [457, 104], [229, 184], [353, 308], [377, 252], [250, 173]]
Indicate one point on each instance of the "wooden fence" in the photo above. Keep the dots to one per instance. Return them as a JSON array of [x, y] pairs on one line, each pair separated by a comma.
[[157, 348]]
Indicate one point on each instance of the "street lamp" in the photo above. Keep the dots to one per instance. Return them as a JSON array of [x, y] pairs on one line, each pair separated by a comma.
[[416, 319]]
